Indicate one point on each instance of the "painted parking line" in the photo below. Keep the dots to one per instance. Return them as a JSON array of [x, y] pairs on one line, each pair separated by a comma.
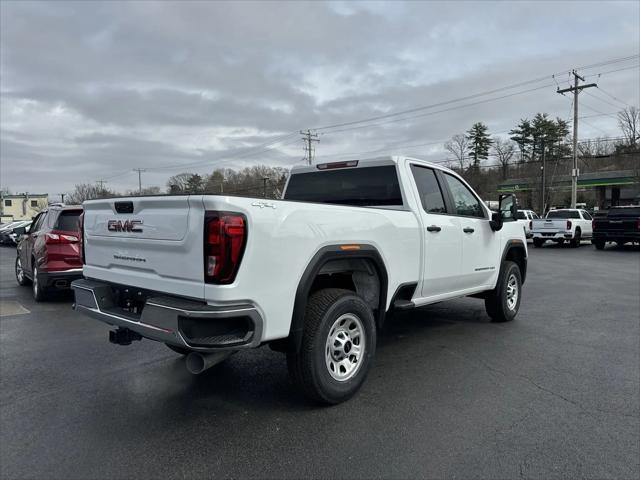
[[11, 307]]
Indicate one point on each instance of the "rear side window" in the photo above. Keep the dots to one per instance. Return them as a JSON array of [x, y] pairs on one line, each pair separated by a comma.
[[364, 187], [586, 215], [429, 189], [68, 220], [521, 215], [465, 202], [563, 214]]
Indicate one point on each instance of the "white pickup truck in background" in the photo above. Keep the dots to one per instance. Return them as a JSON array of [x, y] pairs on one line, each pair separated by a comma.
[[312, 275], [567, 224], [524, 217]]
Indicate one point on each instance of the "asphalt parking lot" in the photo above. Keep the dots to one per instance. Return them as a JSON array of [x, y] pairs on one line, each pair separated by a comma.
[[554, 394]]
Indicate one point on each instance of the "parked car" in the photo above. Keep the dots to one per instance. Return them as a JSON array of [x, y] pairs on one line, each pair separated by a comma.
[[618, 224], [312, 275], [567, 224], [524, 217], [49, 254], [16, 233], [7, 230]]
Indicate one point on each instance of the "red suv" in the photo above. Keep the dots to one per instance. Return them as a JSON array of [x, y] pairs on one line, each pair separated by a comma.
[[49, 252]]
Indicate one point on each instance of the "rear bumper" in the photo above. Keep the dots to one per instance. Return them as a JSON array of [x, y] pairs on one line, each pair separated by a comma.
[[552, 235], [611, 236], [177, 321], [60, 280]]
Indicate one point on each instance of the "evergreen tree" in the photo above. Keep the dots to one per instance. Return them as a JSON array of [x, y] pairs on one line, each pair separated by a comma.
[[522, 135], [479, 143]]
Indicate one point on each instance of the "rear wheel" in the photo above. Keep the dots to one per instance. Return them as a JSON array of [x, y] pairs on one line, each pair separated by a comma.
[[503, 302], [537, 242], [39, 292], [577, 238], [338, 346], [21, 278], [599, 244]]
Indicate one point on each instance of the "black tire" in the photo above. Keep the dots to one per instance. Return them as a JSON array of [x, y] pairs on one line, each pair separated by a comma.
[[497, 303], [180, 350], [310, 367], [537, 242], [39, 292], [599, 244], [21, 278], [577, 238]]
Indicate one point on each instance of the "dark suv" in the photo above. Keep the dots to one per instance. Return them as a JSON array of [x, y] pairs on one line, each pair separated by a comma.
[[49, 252]]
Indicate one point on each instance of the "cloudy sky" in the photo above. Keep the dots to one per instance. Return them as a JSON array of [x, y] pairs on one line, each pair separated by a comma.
[[91, 90]]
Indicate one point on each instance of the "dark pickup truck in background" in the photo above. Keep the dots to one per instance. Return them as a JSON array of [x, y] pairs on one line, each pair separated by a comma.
[[618, 224]]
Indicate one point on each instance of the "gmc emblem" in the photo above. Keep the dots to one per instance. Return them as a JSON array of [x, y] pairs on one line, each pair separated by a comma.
[[126, 226]]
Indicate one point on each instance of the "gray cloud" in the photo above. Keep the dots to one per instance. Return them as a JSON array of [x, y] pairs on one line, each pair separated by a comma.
[[91, 89]]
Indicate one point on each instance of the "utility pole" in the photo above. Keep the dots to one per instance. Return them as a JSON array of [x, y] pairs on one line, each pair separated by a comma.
[[544, 181], [101, 183], [264, 186], [575, 172], [62, 196], [139, 170], [308, 138]]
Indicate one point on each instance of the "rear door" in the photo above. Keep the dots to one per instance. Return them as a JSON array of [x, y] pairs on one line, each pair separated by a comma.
[[480, 250], [149, 242], [34, 244], [442, 238]]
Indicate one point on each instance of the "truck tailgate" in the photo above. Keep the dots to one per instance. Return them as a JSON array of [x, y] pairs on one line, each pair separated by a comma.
[[154, 243], [548, 225]]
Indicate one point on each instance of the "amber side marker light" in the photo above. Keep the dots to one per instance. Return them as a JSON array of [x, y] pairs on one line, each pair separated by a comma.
[[349, 247]]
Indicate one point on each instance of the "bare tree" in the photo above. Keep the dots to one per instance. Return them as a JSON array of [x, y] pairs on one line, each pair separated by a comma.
[[504, 151], [629, 121], [458, 146], [88, 191]]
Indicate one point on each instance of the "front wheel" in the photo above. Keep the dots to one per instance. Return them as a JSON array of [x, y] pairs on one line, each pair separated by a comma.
[[338, 346], [503, 302], [537, 242]]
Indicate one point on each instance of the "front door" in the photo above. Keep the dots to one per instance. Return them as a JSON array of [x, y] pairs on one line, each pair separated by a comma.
[[480, 251]]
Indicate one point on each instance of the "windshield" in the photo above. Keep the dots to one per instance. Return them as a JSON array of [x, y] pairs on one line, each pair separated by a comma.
[[370, 186], [563, 214]]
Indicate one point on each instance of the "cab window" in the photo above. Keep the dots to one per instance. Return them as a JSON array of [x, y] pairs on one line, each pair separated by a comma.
[[429, 189], [465, 202]]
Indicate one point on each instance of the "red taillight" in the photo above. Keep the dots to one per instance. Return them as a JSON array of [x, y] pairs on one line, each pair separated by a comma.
[[568, 224], [224, 241], [60, 238], [81, 230]]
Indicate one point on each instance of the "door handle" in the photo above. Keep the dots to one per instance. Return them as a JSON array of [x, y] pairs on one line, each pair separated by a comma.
[[468, 230], [433, 228]]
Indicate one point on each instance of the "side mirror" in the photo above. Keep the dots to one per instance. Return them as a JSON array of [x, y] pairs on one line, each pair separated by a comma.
[[507, 210]]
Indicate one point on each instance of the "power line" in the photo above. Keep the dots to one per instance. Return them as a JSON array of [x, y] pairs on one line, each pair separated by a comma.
[[614, 97], [394, 120]]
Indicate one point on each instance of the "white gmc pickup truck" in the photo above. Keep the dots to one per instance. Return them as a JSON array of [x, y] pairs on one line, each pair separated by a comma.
[[312, 275], [567, 224]]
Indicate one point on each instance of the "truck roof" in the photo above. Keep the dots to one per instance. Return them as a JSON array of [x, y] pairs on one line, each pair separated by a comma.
[[364, 162]]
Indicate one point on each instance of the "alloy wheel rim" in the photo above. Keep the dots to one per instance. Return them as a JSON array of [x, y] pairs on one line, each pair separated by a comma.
[[35, 280], [345, 347], [512, 292], [19, 271]]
